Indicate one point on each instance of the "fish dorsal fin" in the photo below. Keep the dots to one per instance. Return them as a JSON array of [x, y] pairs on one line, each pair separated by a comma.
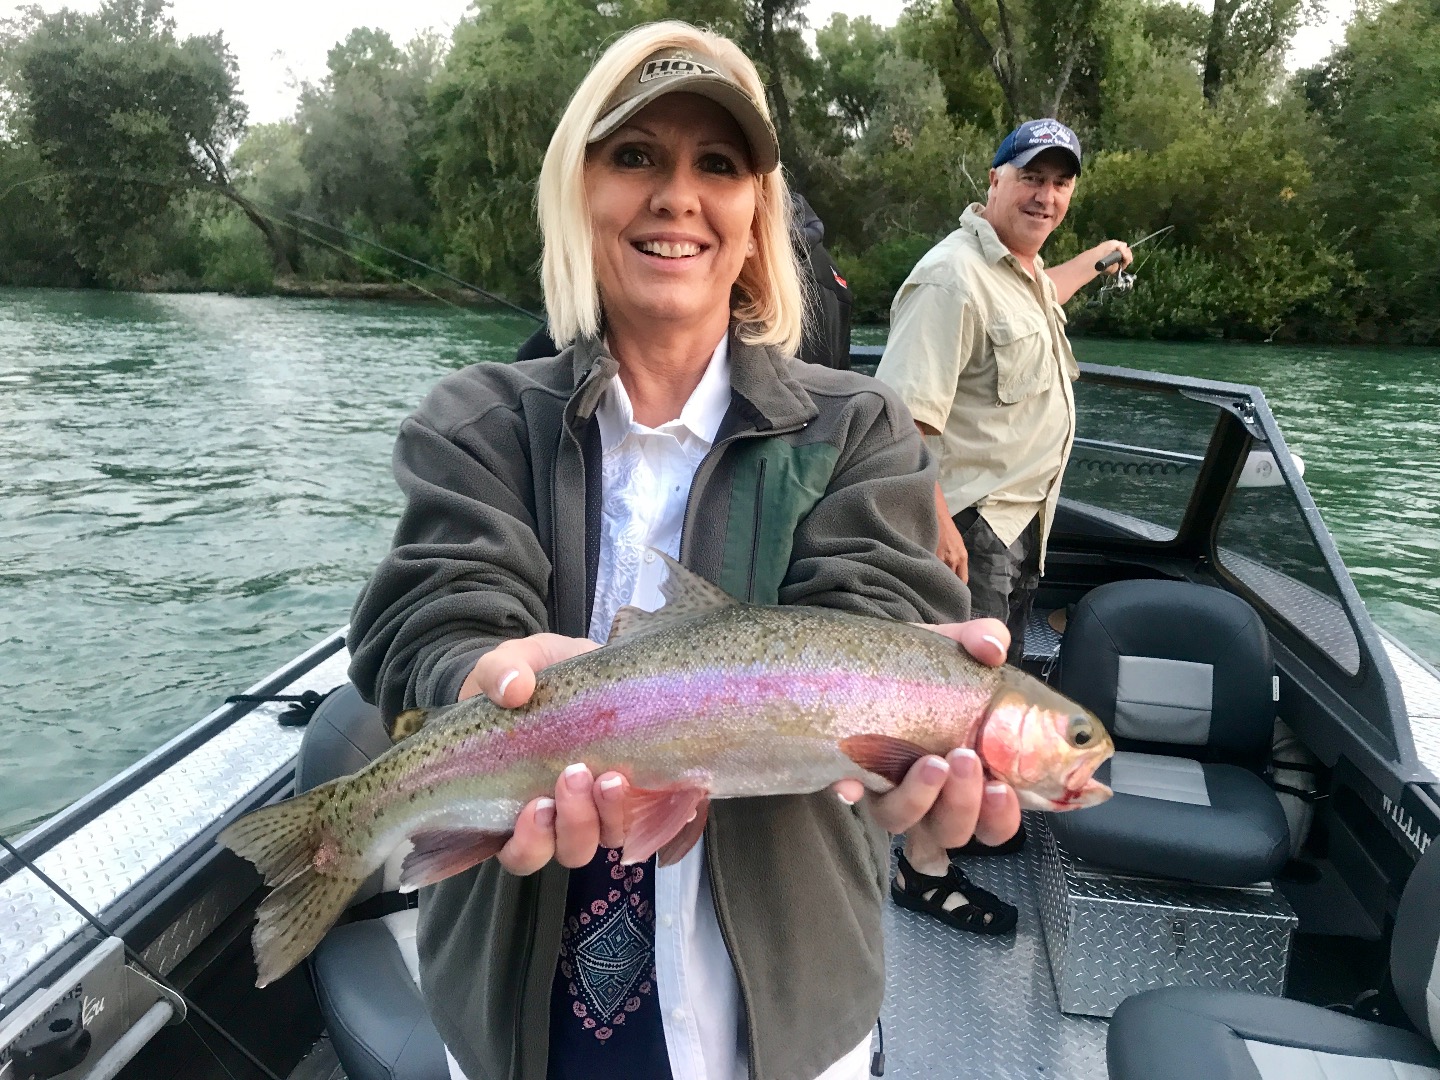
[[686, 593]]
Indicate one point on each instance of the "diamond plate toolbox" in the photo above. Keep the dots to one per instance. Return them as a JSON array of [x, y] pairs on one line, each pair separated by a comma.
[[1110, 936]]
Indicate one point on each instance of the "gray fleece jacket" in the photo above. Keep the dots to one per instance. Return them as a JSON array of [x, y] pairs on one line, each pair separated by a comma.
[[818, 491]]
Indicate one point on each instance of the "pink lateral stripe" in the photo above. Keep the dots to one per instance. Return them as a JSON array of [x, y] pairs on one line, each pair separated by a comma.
[[852, 704]]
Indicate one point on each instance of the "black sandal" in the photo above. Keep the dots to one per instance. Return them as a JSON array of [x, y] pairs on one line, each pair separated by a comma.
[[982, 912]]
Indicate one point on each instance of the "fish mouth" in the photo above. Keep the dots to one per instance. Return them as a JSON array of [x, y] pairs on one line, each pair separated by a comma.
[[1081, 788]]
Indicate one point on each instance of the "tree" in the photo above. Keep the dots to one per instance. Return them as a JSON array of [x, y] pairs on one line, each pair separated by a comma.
[[365, 129], [1376, 98], [130, 118], [1249, 35], [1031, 52]]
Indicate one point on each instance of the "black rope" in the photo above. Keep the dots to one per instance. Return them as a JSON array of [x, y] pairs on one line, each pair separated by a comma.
[[877, 1059], [297, 715], [135, 959]]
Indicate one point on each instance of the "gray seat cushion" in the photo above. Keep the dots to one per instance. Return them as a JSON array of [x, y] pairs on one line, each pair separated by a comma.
[[365, 971], [1187, 1033], [1173, 667], [1176, 818], [372, 1006]]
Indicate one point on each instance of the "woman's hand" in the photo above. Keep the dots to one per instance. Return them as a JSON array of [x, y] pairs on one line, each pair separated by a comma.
[[587, 811], [943, 802]]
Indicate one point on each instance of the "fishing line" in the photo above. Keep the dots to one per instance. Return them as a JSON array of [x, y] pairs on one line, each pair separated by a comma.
[[135, 959], [271, 215], [495, 297]]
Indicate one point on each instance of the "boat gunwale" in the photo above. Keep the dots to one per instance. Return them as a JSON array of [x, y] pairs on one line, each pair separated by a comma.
[[56, 828]]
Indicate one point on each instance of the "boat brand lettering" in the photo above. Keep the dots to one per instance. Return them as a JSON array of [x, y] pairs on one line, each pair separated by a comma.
[[658, 69], [1406, 824]]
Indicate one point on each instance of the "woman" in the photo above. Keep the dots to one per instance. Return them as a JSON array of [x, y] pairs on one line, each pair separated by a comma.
[[675, 418]]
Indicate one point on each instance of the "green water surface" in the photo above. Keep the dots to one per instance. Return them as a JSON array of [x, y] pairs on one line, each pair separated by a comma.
[[193, 488]]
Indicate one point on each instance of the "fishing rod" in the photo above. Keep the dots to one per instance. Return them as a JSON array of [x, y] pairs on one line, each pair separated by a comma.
[[276, 215], [1124, 280], [135, 959], [495, 297]]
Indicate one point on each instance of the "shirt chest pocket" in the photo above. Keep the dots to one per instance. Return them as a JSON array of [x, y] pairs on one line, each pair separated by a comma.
[[1023, 365]]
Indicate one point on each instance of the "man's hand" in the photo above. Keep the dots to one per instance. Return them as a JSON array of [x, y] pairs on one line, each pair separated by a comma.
[[1105, 247], [1074, 274], [943, 802], [952, 550]]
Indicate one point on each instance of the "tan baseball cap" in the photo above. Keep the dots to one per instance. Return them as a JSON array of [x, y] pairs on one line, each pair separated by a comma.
[[670, 71]]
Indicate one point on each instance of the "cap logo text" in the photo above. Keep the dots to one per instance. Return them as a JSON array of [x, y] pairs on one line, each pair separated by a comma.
[[659, 69], [1050, 132]]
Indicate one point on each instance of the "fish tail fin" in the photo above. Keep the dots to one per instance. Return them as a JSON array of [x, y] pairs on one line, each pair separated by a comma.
[[281, 840], [294, 917], [294, 850]]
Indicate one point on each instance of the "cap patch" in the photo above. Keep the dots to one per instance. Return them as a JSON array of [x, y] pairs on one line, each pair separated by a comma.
[[659, 69], [1048, 131]]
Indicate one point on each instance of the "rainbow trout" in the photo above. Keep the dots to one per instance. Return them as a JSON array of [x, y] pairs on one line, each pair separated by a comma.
[[706, 698]]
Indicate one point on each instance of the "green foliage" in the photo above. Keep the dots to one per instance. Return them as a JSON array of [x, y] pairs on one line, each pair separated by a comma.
[[114, 136], [233, 255], [128, 117], [1376, 98], [364, 130], [875, 276], [34, 247]]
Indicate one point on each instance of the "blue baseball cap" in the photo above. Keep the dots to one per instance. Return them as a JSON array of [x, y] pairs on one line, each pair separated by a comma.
[[1035, 137]]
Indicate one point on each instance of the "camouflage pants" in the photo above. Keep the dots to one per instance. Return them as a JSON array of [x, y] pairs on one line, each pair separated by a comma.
[[1003, 580]]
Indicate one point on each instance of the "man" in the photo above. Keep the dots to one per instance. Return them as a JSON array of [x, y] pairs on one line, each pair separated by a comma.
[[977, 350], [827, 335]]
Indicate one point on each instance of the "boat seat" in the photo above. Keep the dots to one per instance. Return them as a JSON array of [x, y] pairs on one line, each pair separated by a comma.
[[1188, 1033], [366, 971], [1181, 675]]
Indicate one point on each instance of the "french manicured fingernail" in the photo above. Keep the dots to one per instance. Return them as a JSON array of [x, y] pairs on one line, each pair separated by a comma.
[[934, 770], [995, 791], [844, 798], [610, 786], [996, 642], [545, 812], [577, 777], [964, 762], [505, 681]]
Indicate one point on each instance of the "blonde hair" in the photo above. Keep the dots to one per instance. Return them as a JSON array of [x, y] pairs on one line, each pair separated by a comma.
[[768, 300]]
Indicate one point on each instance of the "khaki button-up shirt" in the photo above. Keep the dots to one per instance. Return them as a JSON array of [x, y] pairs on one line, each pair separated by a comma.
[[977, 350]]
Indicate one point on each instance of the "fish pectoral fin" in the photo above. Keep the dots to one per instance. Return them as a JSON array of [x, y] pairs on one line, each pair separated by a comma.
[[884, 755], [689, 835], [661, 817], [442, 853]]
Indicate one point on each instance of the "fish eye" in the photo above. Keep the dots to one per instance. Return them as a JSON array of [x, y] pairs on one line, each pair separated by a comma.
[[1080, 732]]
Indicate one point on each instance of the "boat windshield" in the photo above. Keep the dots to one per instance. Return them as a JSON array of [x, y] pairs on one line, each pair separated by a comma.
[[1265, 542], [1139, 448], [1137, 454]]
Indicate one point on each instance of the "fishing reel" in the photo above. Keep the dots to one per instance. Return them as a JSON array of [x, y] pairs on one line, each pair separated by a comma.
[[1123, 281]]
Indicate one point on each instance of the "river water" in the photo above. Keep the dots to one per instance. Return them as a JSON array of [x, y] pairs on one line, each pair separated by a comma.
[[193, 488]]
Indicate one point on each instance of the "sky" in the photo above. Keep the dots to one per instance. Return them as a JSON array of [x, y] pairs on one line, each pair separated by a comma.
[[280, 43]]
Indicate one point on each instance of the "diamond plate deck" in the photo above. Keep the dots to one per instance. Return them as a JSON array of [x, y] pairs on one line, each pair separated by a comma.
[[1422, 701], [1110, 936], [962, 1005], [103, 859]]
